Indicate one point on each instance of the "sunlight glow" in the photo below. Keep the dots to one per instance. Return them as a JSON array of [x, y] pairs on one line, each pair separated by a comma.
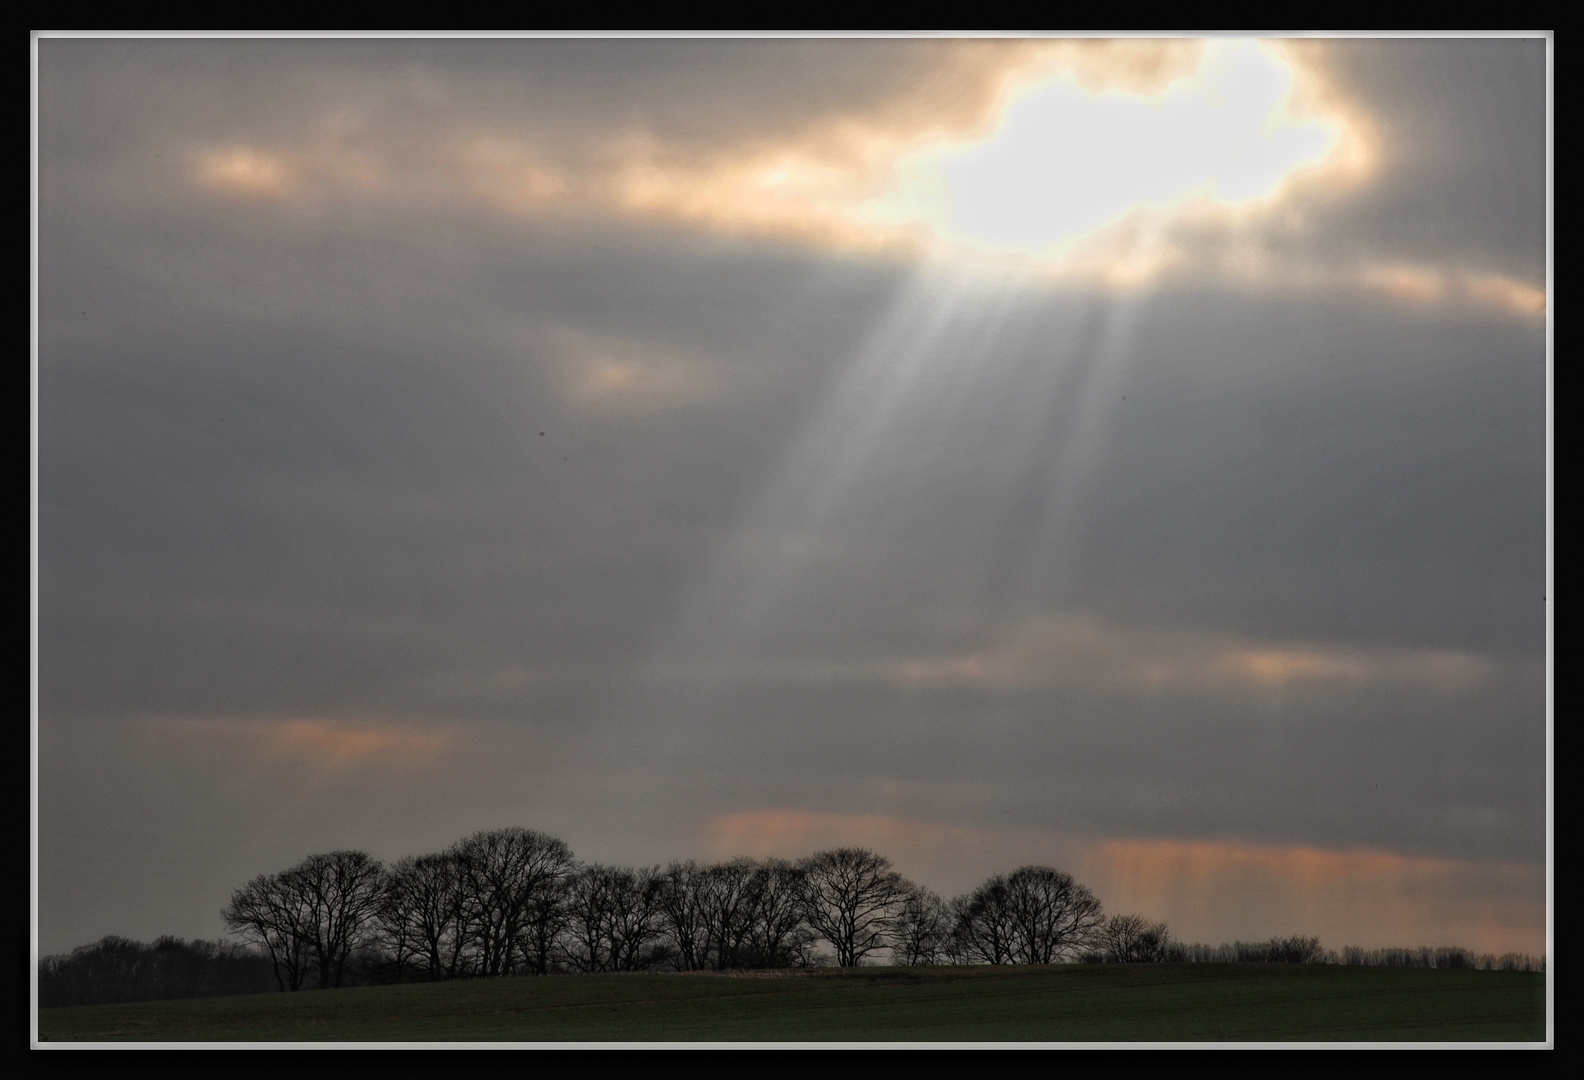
[[245, 171], [1067, 160], [1099, 163]]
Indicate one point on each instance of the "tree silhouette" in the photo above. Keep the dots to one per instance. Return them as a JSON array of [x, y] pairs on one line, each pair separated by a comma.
[[1132, 939], [1034, 915], [922, 930], [851, 897], [514, 883], [311, 917], [425, 914]]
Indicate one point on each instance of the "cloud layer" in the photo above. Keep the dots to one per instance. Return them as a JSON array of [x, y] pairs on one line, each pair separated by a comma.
[[439, 435]]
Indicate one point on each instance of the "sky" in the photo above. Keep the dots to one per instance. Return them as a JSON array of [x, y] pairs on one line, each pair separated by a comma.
[[1129, 456]]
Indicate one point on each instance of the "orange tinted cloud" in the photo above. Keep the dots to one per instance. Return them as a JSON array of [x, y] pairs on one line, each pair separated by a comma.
[[1061, 648], [342, 742], [506, 172], [241, 170], [1429, 284], [621, 375], [1216, 891], [324, 743], [1424, 284], [1519, 297]]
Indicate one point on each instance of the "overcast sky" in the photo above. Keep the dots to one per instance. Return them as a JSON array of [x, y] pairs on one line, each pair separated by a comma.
[[1126, 456]]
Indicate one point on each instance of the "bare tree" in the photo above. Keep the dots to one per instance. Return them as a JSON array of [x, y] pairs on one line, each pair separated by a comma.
[[778, 935], [615, 918], [513, 881], [728, 906], [921, 932], [851, 897], [1132, 939], [707, 913], [1297, 949], [1034, 915], [741, 913], [270, 916], [314, 914], [636, 926], [425, 913], [340, 893], [684, 906], [538, 941], [1055, 917], [982, 925], [590, 906]]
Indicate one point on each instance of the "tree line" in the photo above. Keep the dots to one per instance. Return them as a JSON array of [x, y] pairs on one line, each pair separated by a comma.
[[114, 970], [516, 902]]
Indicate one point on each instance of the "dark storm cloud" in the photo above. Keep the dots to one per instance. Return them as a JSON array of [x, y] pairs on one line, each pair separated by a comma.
[[803, 530]]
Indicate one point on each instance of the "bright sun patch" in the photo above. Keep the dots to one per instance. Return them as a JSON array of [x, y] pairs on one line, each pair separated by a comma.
[[1066, 161]]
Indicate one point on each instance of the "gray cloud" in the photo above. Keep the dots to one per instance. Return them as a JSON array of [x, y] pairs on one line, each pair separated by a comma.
[[1463, 147]]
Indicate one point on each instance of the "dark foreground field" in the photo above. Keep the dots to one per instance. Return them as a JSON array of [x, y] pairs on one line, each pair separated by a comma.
[[1167, 1002]]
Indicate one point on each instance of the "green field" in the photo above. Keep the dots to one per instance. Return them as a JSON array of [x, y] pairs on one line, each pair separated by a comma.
[[1115, 1003]]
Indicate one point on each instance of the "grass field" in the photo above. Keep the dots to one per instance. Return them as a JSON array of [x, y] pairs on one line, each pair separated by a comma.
[[1114, 1003]]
